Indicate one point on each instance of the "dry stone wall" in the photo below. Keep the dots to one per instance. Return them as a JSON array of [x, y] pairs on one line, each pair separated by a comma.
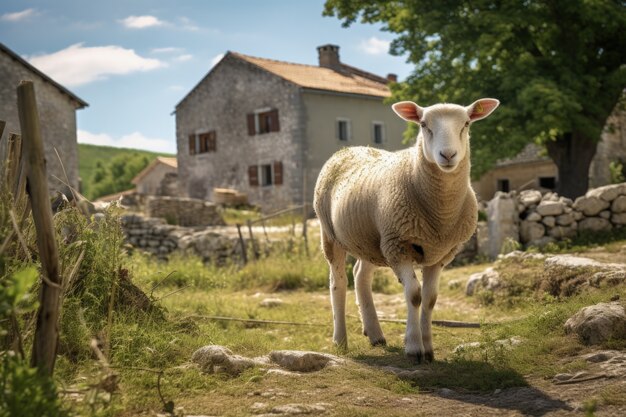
[[184, 211], [544, 218], [155, 236]]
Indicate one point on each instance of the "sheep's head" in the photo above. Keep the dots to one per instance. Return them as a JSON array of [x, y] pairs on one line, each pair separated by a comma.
[[444, 128]]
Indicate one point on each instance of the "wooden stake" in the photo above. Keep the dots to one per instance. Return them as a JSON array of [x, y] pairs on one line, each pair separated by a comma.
[[244, 255], [46, 332]]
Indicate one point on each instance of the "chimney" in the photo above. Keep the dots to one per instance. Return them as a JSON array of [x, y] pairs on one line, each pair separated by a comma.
[[392, 78], [329, 57]]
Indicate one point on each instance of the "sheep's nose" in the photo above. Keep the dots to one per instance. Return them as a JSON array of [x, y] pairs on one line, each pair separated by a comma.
[[448, 154]]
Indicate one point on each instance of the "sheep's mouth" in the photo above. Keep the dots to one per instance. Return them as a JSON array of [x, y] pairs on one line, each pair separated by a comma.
[[447, 167]]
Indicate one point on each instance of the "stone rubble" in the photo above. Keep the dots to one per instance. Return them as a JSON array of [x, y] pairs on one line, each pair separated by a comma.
[[598, 323]]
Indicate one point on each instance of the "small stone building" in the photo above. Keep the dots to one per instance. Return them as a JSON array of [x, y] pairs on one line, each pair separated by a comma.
[[57, 114], [266, 127], [156, 178], [532, 168]]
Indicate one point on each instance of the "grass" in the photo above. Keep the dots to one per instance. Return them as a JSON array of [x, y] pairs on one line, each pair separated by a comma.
[[189, 293]]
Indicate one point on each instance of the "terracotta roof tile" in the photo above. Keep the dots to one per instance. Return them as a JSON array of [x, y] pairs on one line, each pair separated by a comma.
[[351, 80]]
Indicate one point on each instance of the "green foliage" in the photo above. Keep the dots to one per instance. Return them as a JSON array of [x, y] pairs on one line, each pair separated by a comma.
[[557, 67], [99, 164], [23, 392], [617, 172]]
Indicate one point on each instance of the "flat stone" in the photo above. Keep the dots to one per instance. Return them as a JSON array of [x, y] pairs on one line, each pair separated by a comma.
[[489, 279], [550, 208], [605, 214], [608, 192], [565, 219], [215, 358], [529, 197], [530, 231], [594, 224], [570, 261], [598, 323], [590, 206], [549, 221], [601, 356], [282, 372], [533, 217], [619, 204], [304, 361], [618, 218], [300, 409], [560, 232], [541, 242]]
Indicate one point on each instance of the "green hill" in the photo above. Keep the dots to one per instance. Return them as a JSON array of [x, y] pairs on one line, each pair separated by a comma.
[[90, 155]]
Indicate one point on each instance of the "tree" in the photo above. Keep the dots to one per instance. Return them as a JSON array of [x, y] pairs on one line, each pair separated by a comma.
[[116, 175], [558, 67]]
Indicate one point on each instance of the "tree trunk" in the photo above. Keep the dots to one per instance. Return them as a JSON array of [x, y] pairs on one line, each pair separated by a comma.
[[572, 153]]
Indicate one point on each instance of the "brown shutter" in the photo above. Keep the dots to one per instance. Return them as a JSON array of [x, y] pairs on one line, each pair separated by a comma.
[[192, 144], [274, 121], [212, 145], [203, 140], [278, 173], [251, 128], [253, 175]]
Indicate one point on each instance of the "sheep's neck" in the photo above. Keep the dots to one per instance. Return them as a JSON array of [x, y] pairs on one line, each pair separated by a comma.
[[442, 193]]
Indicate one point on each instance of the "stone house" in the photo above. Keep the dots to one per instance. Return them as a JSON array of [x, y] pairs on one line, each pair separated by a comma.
[[155, 179], [57, 114], [266, 127], [532, 168]]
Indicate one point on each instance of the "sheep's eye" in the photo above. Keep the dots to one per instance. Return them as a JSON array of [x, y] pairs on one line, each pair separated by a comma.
[[423, 124], [466, 124]]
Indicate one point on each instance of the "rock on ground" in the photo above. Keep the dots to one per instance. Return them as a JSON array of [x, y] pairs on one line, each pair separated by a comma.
[[303, 361], [598, 323], [489, 279], [214, 358]]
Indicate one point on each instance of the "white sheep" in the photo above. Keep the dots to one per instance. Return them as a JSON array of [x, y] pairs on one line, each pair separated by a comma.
[[399, 208]]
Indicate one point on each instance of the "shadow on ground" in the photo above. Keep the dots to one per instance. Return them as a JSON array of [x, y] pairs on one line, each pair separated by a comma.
[[468, 381]]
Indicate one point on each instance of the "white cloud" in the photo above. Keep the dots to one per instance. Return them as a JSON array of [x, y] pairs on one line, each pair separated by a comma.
[[78, 64], [187, 24], [375, 46], [17, 16], [183, 58], [216, 59], [176, 87], [135, 140], [141, 22], [166, 50]]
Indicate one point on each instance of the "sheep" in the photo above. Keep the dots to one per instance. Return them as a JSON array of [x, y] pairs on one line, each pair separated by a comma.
[[396, 209]]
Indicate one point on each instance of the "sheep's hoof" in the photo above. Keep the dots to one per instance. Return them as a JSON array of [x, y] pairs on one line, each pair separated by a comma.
[[379, 342], [417, 357], [429, 356]]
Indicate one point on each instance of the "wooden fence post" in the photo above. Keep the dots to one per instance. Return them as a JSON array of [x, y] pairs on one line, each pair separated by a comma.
[[244, 255], [46, 332], [254, 247]]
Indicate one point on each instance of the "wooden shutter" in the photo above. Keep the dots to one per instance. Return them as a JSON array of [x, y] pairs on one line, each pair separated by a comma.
[[212, 145], [278, 173], [251, 127], [203, 142], [275, 127], [253, 175], [192, 144]]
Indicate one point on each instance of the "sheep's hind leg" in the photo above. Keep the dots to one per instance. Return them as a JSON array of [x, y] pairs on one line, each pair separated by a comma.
[[414, 347], [336, 258], [430, 287], [363, 274]]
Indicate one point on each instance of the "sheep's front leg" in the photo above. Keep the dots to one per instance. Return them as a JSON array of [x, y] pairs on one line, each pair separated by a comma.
[[414, 347], [336, 258], [430, 287], [363, 274]]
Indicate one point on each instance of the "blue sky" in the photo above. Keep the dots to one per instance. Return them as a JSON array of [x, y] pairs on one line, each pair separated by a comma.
[[133, 60]]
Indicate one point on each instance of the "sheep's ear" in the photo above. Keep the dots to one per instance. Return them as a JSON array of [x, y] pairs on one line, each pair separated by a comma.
[[482, 108], [409, 111]]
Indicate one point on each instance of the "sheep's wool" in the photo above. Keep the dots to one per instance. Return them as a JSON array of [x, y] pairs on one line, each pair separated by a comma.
[[388, 207]]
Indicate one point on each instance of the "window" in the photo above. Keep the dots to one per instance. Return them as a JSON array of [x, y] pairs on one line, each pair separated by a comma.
[[202, 143], [503, 185], [266, 175], [547, 182], [343, 129], [378, 132], [208, 142], [263, 121]]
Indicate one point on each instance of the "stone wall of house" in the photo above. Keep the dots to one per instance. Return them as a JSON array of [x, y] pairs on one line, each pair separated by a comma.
[[57, 115], [537, 219], [155, 236], [183, 211], [221, 102], [611, 148]]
